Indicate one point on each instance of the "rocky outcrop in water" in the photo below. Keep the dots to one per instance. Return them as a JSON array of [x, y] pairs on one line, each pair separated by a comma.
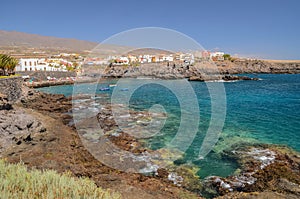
[[262, 168], [199, 72], [202, 71], [225, 78]]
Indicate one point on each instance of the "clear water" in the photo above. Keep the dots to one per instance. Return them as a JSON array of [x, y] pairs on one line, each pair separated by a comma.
[[266, 111]]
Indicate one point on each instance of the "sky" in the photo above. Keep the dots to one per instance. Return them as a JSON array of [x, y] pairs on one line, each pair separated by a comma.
[[254, 28]]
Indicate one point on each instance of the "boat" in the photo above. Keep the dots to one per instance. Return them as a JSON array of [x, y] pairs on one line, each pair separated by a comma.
[[112, 85], [104, 89]]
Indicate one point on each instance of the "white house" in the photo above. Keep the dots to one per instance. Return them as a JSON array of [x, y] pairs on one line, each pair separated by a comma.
[[168, 58], [27, 65], [218, 55], [124, 60], [33, 64], [132, 58]]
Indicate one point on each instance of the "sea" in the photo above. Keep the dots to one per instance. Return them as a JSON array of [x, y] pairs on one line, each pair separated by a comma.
[[264, 111]]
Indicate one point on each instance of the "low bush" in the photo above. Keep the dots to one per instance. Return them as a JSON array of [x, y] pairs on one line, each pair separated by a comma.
[[16, 181]]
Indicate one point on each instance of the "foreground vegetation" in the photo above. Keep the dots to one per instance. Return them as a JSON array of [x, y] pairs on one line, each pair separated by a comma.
[[17, 182]]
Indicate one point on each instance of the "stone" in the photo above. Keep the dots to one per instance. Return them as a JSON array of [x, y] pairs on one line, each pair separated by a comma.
[[17, 127], [12, 88], [262, 167], [4, 104]]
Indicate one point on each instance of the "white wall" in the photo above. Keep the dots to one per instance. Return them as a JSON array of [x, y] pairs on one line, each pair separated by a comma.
[[35, 65]]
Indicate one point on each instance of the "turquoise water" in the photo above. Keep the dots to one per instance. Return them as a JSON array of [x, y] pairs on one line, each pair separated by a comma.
[[266, 111]]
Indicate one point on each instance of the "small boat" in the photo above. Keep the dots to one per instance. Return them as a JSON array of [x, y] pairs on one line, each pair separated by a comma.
[[112, 85], [124, 89], [104, 89]]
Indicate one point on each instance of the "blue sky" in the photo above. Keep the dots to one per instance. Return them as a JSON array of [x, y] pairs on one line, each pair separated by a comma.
[[261, 28]]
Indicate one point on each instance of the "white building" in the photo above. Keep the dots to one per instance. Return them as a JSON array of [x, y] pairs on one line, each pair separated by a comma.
[[33, 64], [168, 58], [218, 55], [124, 60], [132, 58]]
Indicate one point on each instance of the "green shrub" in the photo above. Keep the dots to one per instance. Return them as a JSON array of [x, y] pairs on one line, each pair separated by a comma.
[[17, 182]]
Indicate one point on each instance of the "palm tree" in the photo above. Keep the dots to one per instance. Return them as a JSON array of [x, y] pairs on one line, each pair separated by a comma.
[[7, 64], [11, 65], [3, 62]]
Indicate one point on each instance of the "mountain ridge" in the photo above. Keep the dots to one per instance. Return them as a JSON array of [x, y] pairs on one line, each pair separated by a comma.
[[28, 40]]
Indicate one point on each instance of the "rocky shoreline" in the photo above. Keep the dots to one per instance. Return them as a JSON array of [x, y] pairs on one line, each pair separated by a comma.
[[36, 130], [200, 71], [204, 71], [45, 141], [41, 84], [268, 170], [240, 66]]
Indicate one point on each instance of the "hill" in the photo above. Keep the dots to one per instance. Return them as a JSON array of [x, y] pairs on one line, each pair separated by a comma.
[[12, 42], [26, 40]]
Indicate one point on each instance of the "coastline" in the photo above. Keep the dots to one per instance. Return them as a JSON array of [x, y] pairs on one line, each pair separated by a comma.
[[41, 84], [203, 71], [52, 144], [259, 164], [259, 66]]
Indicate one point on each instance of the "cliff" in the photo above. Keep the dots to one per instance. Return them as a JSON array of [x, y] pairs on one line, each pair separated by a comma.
[[259, 66], [204, 71], [200, 71]]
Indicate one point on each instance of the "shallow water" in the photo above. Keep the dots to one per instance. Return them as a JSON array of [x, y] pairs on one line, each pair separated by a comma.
[[266, 111]]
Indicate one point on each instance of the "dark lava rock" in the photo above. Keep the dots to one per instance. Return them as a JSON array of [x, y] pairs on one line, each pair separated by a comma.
[[262, 168], [235, 78], [17, 127], [4, 104], [49, 103]]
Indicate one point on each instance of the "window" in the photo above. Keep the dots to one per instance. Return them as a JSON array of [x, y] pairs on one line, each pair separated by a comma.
[[25, 63], [30, 63]]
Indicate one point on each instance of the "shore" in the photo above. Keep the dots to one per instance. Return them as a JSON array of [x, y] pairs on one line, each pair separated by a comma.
[[199, 71], [202, 71], [44, 139], [240, 66], [40, 84], [47, 83]]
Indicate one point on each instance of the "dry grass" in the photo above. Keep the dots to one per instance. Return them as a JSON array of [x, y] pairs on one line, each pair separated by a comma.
[[17, 182]]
